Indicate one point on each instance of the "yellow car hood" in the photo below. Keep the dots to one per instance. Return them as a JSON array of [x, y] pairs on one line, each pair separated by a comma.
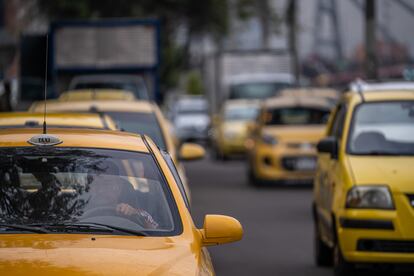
[[296, 133], [47, 254], [397, 172]]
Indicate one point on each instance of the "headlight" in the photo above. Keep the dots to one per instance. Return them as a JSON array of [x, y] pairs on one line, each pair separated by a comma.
[[268, 139], [369, 197]]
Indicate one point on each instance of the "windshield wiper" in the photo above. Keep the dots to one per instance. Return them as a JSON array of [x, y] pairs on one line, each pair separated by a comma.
[[116, 228], [87, 227], [19, 227]]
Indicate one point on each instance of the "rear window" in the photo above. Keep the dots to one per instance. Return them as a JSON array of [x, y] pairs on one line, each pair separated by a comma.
[[258, 90], [139, 90], [141, 123], [296, 116]]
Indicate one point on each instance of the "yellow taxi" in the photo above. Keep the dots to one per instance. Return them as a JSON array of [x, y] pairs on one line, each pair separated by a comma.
[[363, 191], [330, 94], [230, 127], [282, 147], [141, 117], [79, 120], [98, 202], [97, 94]]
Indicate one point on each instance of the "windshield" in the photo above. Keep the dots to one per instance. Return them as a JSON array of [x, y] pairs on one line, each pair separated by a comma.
[[384, 128], [141, 123], [192, 107], [52, 186], [296, 116], [138, 89], [258, 90], [241, 114]]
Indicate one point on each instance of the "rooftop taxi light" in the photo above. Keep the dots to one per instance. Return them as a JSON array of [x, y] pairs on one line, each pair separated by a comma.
[[44, 140]]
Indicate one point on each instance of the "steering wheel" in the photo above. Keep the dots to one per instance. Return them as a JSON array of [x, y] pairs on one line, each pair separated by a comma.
[[106, 211]]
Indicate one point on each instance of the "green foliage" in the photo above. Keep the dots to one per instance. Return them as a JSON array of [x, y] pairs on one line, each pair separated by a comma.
[[194, 84]]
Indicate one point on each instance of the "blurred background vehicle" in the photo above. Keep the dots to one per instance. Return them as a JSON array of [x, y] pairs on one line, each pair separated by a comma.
[[231, 128], [282, 147], [332, 95], [257, 86], [190, 118], [247, 74], [134, 84]]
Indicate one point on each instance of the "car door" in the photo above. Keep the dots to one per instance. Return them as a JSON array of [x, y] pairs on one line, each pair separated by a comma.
[[327, 176]]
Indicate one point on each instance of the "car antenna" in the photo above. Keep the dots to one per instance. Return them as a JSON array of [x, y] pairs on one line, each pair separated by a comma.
[[45, 87]]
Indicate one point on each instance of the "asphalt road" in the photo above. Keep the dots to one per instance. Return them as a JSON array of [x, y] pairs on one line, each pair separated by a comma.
[[277, 221]]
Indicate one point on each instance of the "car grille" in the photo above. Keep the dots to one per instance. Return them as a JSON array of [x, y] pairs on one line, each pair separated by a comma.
[[389, 246]]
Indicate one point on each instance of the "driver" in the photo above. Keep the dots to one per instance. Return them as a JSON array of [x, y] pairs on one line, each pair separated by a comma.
[[107, 190]]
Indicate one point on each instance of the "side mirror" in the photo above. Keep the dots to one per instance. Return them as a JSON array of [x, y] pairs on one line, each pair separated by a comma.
[[218, 229], [191, 151], [328, 145]]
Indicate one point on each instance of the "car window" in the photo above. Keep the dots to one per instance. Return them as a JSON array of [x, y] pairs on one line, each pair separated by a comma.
[[383, 128], [141, 123], [91, 186], [257, 90], [296, 116], [248, 113], [176, 176], [138, 89], [338, 122]]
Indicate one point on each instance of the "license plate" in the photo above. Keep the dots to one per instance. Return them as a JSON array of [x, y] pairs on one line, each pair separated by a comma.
[[305, 164]]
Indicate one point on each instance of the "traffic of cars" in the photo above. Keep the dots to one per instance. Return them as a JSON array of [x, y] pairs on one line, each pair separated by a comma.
[[99, 170]]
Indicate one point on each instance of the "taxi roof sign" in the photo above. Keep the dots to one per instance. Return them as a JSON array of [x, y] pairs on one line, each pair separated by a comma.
[[44, 140]]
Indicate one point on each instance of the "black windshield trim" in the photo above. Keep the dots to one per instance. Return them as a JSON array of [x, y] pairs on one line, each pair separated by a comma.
[[176, 215]]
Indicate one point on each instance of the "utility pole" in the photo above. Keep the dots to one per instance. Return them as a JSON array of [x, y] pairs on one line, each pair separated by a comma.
[[265, 14], [371, 63], [291, 22]]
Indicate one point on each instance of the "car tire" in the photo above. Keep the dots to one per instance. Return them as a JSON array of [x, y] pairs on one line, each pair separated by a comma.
[[323, 254], [341, 266]]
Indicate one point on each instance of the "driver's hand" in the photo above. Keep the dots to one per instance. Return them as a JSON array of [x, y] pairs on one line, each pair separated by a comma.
[[126, 209]]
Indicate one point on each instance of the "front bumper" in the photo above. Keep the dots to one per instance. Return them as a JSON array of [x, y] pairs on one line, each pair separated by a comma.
[[378, 242], [272, 164]]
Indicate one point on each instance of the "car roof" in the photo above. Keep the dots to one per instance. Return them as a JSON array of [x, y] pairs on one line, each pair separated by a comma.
[[80, 120], [77, 138], [367, 86], [96, 105], [311, 92], [97, 94], [291, 101], [384, 95], [106, 78]]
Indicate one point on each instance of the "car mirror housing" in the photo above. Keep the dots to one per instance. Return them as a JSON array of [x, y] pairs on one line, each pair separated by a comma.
[[191, 151], [219, 229], [328, 145]]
